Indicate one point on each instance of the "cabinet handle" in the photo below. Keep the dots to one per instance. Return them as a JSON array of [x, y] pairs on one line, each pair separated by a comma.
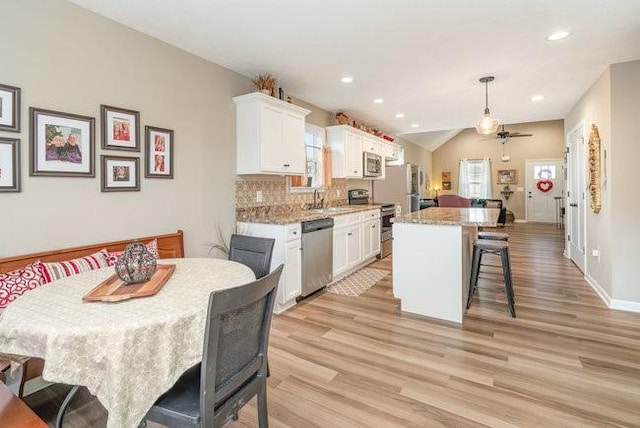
[[349, 234], [373, 226], [295, 233], [287, 165]]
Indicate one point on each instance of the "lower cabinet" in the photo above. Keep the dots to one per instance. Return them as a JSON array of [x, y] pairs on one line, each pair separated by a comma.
[[356, 240], [286, 251]]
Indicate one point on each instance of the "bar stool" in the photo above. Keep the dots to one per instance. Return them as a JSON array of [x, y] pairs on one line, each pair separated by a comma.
[[494, 236], [481, 246]]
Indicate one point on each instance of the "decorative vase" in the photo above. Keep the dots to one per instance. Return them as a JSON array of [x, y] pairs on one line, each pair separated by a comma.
[[136, 264]]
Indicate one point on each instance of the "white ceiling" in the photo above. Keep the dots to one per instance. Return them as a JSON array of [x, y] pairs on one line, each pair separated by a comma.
[[423, 57]]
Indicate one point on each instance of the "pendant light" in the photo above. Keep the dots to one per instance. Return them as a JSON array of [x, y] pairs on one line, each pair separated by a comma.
[[487, 125]]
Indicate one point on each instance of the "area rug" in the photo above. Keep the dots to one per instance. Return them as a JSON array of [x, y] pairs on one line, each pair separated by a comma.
[[358, 282]]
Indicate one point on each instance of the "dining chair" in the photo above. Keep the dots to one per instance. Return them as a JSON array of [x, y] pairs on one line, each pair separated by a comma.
[[252, 251], [234, 365]]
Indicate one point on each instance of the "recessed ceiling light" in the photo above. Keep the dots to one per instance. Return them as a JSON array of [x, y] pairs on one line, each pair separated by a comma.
[[346, 79], [378, 101], [415, 125], [400, 115], [558, 35], [537, 98]]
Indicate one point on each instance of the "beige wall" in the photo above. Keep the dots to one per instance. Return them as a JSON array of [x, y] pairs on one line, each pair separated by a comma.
[[623, 173], [547, 143], [66, 58], [595, 107], [613, 103]]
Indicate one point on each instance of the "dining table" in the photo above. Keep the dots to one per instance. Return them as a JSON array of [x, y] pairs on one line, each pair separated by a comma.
[[125, 353]]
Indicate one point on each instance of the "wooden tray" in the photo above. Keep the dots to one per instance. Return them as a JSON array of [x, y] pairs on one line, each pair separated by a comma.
[[113, 288]]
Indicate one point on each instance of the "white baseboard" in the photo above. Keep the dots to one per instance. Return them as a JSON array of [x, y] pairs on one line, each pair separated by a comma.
[[520, 220], [620, 305], [625, 305]]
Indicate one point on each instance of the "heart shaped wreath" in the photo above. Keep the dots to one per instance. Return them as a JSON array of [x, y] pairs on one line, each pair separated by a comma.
[[544, 185]]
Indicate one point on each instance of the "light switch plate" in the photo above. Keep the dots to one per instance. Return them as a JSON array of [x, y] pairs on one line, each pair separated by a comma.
[[259, 196], [520, 189]]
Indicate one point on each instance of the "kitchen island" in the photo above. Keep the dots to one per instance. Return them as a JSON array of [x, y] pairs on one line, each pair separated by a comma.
[[432, 251]]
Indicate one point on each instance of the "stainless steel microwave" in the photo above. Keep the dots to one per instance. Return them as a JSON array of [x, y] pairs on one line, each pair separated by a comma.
[[372, 164]]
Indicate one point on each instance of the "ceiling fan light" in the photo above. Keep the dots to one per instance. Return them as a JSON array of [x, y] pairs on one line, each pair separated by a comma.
[[487, 125]]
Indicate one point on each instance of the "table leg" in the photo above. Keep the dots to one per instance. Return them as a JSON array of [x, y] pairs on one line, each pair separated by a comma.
[[65, 404]]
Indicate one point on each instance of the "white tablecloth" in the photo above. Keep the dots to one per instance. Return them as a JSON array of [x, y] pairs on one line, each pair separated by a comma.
[[127, 353]]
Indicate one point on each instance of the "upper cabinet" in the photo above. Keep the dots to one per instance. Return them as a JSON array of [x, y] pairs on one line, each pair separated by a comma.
[[270, 135], [347, 145]]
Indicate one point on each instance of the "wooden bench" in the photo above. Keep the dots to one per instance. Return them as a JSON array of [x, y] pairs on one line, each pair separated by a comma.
[[15, 413], [169, 246]]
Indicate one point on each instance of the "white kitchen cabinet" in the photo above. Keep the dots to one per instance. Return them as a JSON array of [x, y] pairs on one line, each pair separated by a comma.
[[370, 145], [370, 234], [287, 250], [346, 151], [270, 135], [356, 241]]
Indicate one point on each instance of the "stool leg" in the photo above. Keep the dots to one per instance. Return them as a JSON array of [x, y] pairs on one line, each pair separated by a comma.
[[506, 269], [475, 269]]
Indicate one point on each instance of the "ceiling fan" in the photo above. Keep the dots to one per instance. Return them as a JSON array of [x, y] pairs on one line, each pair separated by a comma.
[[502, 134]]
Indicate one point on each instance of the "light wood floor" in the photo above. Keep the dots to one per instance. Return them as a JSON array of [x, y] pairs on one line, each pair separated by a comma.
[[340, 361]]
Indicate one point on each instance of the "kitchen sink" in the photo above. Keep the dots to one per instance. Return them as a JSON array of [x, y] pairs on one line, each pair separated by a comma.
[[331, 210]]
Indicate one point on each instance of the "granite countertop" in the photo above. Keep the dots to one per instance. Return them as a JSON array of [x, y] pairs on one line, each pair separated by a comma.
[[284, 216], [452, 216]]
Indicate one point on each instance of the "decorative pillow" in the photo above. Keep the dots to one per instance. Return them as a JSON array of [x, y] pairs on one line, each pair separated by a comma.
[[152, 248], [17, 282], [53, 271]]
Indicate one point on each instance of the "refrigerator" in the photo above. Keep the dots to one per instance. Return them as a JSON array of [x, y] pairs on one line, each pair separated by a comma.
[[400, 186]]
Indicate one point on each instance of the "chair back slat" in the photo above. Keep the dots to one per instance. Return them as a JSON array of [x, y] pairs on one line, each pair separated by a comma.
[[252, 251], [236, 341]]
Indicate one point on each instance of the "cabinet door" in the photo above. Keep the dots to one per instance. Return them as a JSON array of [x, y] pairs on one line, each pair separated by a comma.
[[339, 251], [353, 152], [271, 150], [366, 239], [375, 237], [370, 145], [354, 246], [292, 271], [292, 151]]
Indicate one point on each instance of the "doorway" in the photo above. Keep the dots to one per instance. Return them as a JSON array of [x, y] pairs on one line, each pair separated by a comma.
[[575, 203], [544, 183]]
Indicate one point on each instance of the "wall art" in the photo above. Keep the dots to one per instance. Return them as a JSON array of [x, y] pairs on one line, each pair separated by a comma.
[[9, 108], [158, 152], [120, 173], [9, 165], [62, 144], [120, 128]]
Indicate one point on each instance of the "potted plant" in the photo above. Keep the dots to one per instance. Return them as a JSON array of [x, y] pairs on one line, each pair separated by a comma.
[[265, 83]]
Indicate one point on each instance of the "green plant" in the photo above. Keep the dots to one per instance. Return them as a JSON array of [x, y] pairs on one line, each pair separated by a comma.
[[221, 245]]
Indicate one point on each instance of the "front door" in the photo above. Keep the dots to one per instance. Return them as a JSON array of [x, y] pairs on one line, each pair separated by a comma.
[[575, 204], [544, 183]]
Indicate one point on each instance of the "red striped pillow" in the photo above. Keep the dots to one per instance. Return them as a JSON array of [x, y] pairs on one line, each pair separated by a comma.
[[17, 282], [53, 271]]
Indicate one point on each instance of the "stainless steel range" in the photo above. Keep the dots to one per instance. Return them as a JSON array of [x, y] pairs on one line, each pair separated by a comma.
[[388, 212]]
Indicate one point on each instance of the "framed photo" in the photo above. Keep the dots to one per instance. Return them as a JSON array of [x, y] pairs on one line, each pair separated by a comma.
[[9, 165], [446, 175], [9, 108], [158, 152], [507, 176], [120, 174], [120, 128], [446, 185], [62, 144]]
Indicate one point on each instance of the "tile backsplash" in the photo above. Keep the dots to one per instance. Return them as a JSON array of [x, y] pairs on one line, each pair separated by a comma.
[[275, 194]]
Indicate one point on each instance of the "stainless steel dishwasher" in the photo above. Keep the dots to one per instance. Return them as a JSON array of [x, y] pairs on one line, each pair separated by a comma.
[[317, 255]]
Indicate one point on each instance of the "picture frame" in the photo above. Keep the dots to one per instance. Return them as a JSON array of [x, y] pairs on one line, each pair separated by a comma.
[[159, 143], [120, 128], [9, 108], [9, 165], [507, 176], [61, 144], [120, 173], [446, 185]]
